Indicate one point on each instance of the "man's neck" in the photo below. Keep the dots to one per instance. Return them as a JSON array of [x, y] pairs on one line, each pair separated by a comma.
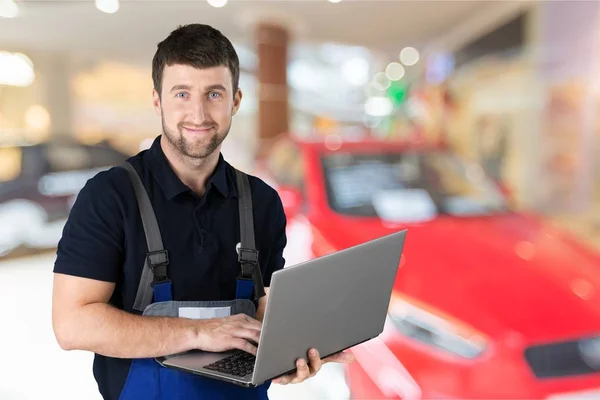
[[193, 172]]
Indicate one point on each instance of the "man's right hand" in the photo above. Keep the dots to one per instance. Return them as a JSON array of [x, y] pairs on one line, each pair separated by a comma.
[[235, 332], [83, 320]]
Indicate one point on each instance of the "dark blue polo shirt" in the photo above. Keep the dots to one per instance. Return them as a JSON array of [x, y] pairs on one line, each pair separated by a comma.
[[104, 239]]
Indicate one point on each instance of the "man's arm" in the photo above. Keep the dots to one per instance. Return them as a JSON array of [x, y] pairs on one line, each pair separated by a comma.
[[262, 306], [89, 261], [82, 320], [275, 260]]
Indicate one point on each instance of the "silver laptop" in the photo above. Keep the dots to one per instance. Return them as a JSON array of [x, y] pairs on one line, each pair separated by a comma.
[[331, 303]]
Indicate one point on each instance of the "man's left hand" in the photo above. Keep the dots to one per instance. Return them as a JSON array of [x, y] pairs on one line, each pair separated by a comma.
[[307, 370]]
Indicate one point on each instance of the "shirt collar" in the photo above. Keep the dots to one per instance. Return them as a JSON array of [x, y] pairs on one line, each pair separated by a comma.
[[170, 182]]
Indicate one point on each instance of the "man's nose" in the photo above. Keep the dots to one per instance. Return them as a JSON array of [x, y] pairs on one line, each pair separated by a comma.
[[197, 113]]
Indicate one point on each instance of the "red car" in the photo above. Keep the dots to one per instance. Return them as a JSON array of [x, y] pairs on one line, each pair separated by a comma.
[[488, 302]]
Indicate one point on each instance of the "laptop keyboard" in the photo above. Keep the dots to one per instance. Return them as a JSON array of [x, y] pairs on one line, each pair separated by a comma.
[[239, 363]]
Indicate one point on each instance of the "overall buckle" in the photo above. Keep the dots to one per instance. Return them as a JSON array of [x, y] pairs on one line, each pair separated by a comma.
[[250, 270], [247, 256], [158, 262], [248, 259]]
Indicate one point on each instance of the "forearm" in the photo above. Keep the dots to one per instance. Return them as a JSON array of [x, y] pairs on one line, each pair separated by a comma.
[[262, 306], [103, 329]]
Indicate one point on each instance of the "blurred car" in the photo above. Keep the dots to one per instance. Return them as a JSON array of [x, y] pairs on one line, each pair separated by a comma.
[[38, 185], [488, 302]]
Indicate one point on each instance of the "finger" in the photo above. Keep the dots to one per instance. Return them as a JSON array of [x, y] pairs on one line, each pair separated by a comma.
[[284, 380], [302, 371], [315, 361], [248, 334], [244, 345], [238, 317], [244, 318], [250, 323], [254, 325], [344, 358]]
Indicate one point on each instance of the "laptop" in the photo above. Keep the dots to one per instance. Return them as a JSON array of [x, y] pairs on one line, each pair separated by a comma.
[[331, 303]]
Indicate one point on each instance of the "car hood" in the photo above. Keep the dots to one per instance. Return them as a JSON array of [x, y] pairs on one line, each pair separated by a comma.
[[502, 275]]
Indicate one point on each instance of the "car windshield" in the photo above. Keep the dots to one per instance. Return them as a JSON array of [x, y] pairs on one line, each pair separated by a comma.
[[408, 186]]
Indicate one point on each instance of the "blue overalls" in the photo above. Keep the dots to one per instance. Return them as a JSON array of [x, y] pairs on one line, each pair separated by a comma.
[[148, 379]]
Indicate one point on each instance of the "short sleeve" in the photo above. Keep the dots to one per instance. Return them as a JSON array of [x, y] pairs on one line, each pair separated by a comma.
[[276, 260], [92, 243]]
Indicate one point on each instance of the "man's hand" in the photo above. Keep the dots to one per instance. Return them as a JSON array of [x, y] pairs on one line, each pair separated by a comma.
[[309, 370], [234, 332]]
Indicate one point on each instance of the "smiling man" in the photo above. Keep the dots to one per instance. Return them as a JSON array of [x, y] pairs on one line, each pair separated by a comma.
[[192, 189]]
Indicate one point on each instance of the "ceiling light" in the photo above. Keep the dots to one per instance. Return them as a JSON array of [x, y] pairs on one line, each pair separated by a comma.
[[381, 81], [37, 118], [356, 71], [108, 6], [16, 69], [217, 3], [394, 71], [378, 106], [305, 77], [409, 56], [334, 1], [8, 9]]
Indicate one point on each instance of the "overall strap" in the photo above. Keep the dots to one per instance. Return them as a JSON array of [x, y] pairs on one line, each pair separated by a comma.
[[250, 277], [154, 284]]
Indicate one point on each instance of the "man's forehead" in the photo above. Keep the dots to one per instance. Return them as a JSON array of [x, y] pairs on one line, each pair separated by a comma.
[[190, 75]]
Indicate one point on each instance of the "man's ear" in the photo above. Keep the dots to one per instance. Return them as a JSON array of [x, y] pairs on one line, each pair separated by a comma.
[[156, 102], [237, 100]]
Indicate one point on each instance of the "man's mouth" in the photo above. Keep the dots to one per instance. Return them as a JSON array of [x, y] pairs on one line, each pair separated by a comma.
[[197, 130]]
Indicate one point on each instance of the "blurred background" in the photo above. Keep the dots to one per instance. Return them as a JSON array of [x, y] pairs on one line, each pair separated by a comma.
[[474, 124]]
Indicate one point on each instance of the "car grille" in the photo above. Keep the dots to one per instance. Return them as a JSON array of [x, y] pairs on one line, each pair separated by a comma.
[[558, 360]]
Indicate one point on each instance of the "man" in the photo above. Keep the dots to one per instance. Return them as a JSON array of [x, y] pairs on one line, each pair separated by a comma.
[[193, 192]]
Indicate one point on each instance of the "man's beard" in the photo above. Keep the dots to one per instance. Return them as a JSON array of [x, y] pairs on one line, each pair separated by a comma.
[[186, 148]]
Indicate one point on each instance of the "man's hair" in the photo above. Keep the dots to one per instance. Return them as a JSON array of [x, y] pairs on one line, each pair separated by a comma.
[[196, 45]]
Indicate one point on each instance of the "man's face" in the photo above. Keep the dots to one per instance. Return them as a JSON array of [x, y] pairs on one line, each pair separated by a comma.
[[196, 106]]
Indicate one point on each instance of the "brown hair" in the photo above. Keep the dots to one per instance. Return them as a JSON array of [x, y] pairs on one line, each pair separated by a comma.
[[196, 45]]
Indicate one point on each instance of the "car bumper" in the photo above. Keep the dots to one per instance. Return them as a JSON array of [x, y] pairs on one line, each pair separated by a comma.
[[416, 375]]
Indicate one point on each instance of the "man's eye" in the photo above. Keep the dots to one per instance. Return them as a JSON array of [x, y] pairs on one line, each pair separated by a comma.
[[214, 95], [181, 95]]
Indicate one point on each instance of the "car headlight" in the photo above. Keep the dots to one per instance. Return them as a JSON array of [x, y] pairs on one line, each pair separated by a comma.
[[433, 329]]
